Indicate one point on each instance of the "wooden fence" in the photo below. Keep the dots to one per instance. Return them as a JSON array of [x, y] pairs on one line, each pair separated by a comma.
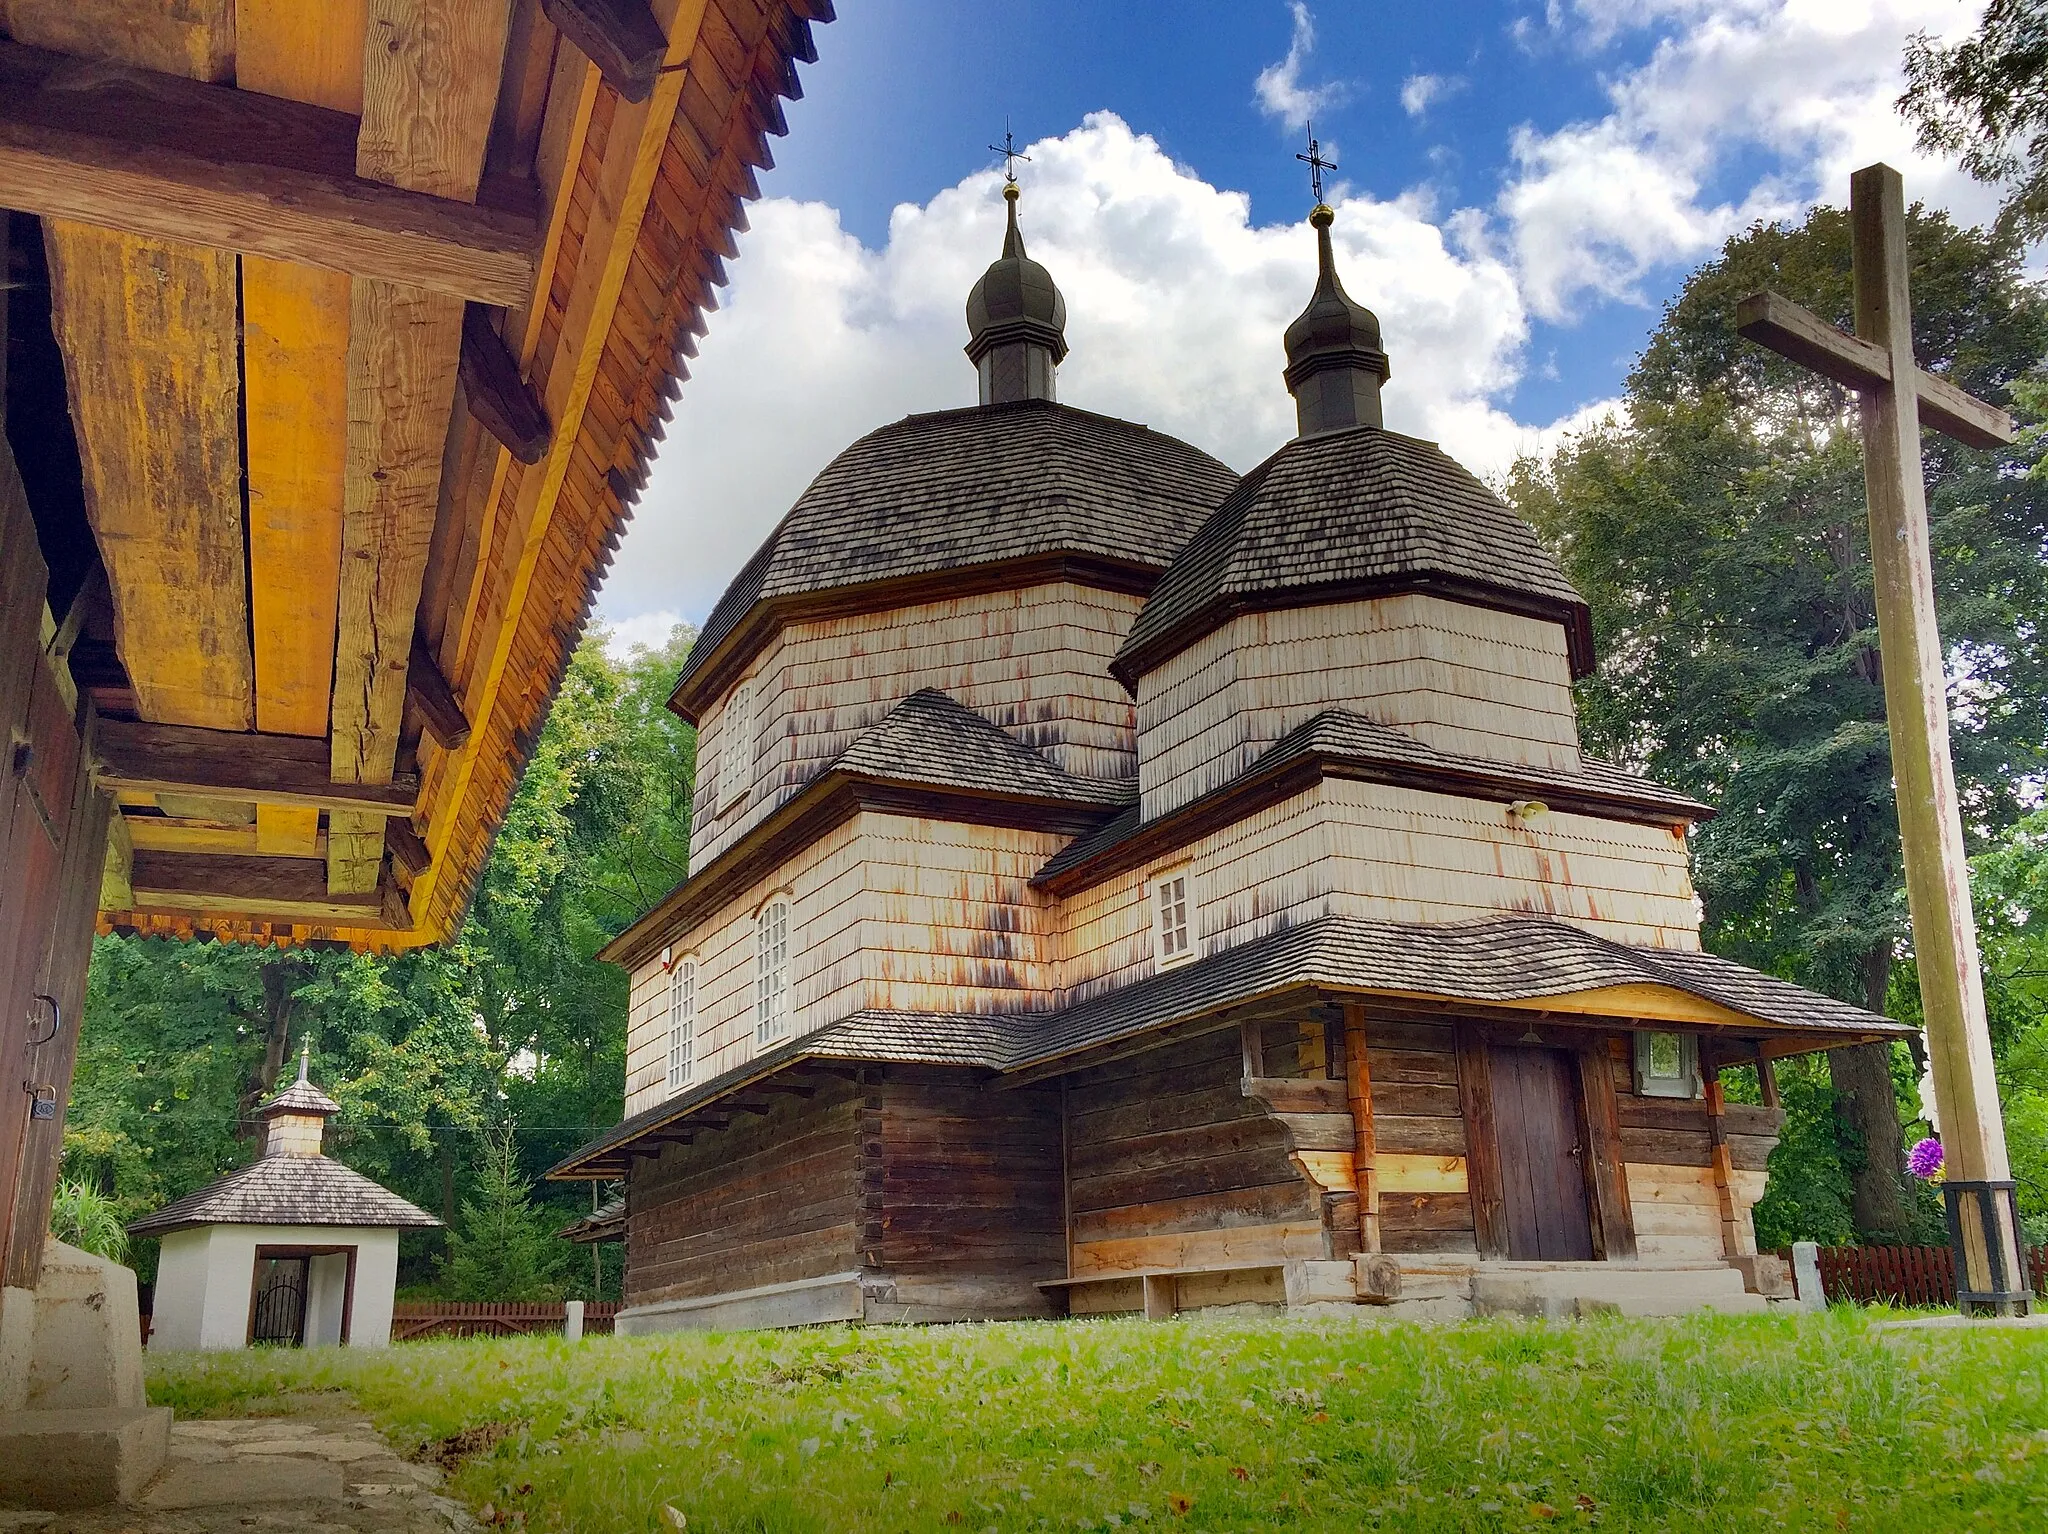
[[412, 1320], [1903, 1275]]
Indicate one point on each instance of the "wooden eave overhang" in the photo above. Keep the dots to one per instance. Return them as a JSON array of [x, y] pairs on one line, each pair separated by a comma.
[[410, 299], [1574, 617], [1133, 844], [704, 681], [826, 802]]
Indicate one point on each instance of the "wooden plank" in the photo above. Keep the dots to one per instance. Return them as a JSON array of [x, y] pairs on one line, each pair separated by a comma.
[[1422, 1174], [194, 39], [167, 833], [495, 393], [634, 143], [1365, 1141], [237, 171], [1614, 1232], [269, 769], [439, 708], [295, 381], [148, 332], [1482, 1163], [1803, 336], [621, 37], [430, 83], [117, 885], [295, 887]]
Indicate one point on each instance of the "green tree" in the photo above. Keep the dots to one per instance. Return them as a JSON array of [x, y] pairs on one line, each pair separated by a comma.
[[504, 1247], [1718, 530], [1986, 100]]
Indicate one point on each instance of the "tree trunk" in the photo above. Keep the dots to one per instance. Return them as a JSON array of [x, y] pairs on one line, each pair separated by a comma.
[[281, 979], [1867, 1114]]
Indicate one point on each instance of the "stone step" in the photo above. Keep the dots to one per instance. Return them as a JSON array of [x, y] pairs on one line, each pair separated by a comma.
[[82, 1456], [1562, 1290]]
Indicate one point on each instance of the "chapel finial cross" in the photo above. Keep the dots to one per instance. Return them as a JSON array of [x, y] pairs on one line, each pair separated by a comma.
[[1011, 154], [1316, 164]]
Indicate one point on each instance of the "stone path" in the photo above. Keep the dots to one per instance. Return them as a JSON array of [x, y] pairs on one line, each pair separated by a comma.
[[332, 1476]]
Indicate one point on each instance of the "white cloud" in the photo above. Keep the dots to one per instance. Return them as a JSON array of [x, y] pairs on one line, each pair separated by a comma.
[[1807, 85], [642, 631], [1421, 92], [1176, 306], [1278, 87]]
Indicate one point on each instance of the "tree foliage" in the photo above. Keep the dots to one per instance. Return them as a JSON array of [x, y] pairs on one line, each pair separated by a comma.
[[1985, 99], [1718, 530], [512, 1035]]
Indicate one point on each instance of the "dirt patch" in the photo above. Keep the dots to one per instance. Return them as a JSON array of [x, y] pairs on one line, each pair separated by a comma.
[[447, 1453]]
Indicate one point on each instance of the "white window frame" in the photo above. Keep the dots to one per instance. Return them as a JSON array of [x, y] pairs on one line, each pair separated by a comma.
[[1667, 1079], [736, 741], [1171, 898], [771, 972], [682, 1023]]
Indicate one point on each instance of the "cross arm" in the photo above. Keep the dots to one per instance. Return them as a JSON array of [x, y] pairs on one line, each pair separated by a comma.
[[1791, 331]]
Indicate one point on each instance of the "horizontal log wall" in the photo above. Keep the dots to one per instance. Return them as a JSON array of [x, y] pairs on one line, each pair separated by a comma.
[[1668, 1149], [962, 1201], [1033, 660], [772, 1199], [1171, 1165], [1419, 1125], [1463, 679]]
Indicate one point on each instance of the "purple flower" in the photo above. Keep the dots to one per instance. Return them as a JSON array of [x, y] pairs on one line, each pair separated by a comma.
[[1924, 1160]]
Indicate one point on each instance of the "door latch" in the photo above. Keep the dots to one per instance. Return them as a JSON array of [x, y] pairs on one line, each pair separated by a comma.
[[56, 1020]]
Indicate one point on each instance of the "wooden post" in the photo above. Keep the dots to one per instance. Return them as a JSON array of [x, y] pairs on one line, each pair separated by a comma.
[[1365, 1138], [1879, 364], [1732, 1223]]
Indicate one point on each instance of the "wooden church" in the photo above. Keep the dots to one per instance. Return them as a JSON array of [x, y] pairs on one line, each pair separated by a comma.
[[1119, 885]]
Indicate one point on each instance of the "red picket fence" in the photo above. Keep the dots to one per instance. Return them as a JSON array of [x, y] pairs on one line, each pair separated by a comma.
[[412, 1320], [1903, 1275]]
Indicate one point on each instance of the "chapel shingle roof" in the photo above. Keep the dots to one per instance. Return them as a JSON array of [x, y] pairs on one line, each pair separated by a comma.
[[986, 484], [1488, 961], [287, 1190], [300, 1097], [932, 739], [1363, 509]]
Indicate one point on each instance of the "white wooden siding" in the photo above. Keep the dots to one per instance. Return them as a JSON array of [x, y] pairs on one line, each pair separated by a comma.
[[1460, 678]]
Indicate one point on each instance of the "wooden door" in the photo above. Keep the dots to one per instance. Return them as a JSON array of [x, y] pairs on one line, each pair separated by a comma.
[[1542, 1155]]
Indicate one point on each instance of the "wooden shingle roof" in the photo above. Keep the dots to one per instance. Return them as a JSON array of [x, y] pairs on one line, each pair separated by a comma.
[[1501, 960], [968, 495], [931, 738], [1352, 513], [287, 1190]]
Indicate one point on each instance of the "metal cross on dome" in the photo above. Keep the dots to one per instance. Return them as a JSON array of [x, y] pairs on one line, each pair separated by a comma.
[[1011, 154], [1316, 163]]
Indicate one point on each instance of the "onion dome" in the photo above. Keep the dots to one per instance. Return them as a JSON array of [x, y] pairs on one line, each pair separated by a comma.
[[1335, 364], [1016, 322]]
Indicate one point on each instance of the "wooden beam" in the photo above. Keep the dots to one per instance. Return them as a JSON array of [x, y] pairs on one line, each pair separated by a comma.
[[148, 333], [295, 380], [406, 848], [1784, 327], [621, 37], [294, 888], [236, 170], [435, 699], [502, 401], [268, 769], [117, 883], [1482, 1155], [431, 70], [170, 833], [1365, 1138]]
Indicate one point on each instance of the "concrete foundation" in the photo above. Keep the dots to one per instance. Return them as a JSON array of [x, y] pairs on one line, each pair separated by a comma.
[[74, 1427]]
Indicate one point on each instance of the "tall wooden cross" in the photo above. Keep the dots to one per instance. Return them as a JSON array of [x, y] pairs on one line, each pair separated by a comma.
[[1897, 397]]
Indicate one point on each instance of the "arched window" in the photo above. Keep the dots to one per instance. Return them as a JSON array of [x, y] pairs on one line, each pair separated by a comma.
[[736, 747], [771, 973], [682, 1023]]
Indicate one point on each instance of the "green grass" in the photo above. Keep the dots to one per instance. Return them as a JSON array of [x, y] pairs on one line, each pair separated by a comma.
[[1712, 1423]]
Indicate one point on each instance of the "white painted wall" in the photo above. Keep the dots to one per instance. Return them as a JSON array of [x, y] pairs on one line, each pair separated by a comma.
[[204, 1277]]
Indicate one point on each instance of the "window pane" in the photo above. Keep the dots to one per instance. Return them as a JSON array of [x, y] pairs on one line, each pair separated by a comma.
[[1666, 1059]]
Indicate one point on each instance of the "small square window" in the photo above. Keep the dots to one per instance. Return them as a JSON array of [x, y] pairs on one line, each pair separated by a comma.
[[1667, 1065], [1170, 919]]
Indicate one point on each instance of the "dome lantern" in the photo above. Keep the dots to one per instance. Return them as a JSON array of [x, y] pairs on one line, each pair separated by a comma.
[[1335, 363], [1016, 322]]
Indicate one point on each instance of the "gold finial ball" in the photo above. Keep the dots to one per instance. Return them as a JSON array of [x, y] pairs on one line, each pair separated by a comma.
[[1322, 215], [1012, 191]]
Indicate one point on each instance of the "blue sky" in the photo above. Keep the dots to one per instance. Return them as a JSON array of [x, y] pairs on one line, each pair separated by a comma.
[[1521, 186]]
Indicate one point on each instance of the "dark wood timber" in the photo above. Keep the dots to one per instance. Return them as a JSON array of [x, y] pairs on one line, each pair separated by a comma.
[[227, 764], [407, 850], [439, 708], [178, 159], [502, 401], [1542, 1154], [1365, 1144], [621, 37], [1614, 1227], [196, 881], [1482, 1156]]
